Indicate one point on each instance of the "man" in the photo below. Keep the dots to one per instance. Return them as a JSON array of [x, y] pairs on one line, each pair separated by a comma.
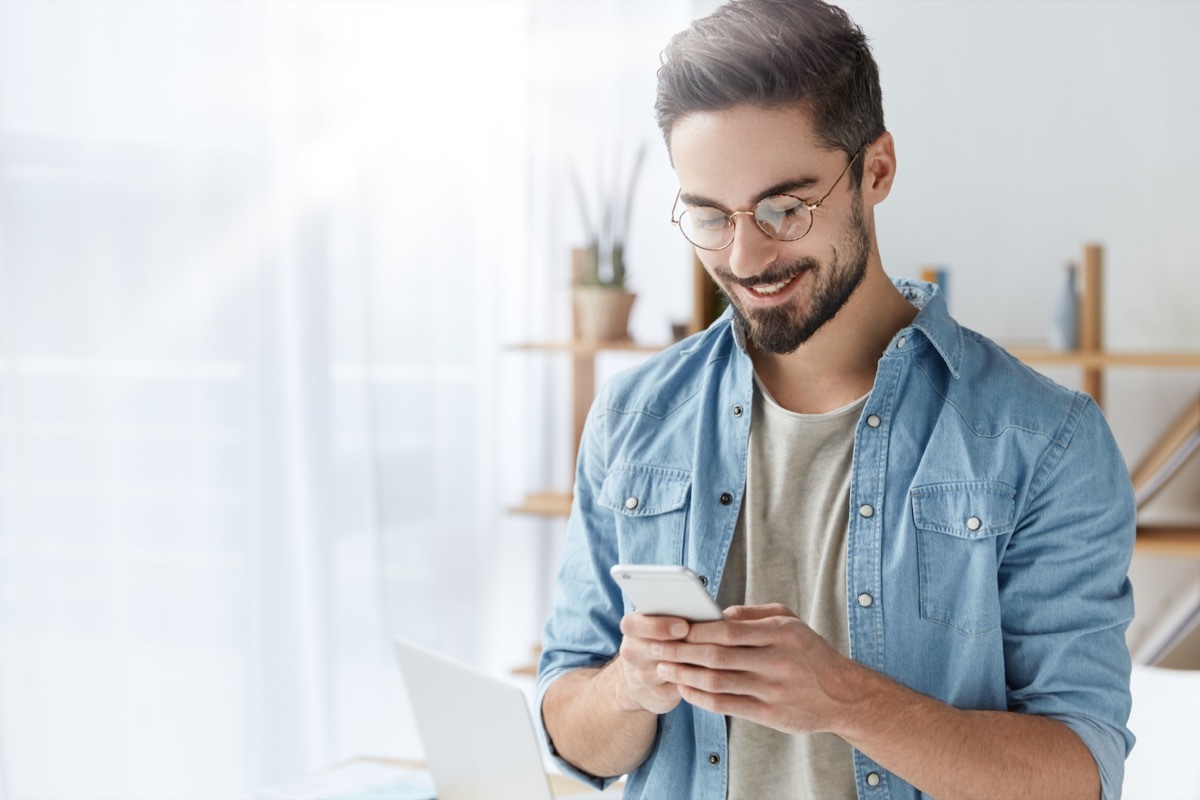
[[922, 545]]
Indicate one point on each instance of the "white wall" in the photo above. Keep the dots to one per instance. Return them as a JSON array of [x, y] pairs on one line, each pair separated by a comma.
[[1023, 130]]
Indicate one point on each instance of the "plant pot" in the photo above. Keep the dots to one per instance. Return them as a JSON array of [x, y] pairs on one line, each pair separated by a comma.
[[602, 313]]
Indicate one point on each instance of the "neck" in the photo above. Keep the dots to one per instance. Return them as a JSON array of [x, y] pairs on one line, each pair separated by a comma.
[[837, 365]]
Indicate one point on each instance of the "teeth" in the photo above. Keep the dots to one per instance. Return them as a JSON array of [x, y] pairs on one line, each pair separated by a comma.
[[772, 288]]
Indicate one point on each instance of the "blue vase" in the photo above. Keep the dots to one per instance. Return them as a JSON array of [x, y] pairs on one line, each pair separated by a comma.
[[1064, 332]]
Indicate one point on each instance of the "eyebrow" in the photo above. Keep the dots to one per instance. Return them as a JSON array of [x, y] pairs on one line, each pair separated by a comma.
[[791, 186]]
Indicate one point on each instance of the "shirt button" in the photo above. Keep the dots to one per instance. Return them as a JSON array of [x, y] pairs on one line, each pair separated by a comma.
[[974, 524], [872, 779], [714, 759], [703, 580], [631, 503], [873, 421], [866, 511], [865, 600], [737, 411], [726, 498], [901, 342]]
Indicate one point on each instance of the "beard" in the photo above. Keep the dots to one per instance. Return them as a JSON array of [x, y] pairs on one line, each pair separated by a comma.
[[782, 329]]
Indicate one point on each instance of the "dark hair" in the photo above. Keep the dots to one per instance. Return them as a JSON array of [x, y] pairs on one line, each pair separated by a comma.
[[774, 53]]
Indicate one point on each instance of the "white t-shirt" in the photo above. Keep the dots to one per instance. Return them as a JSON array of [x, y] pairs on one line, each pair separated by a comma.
[[790, 547]]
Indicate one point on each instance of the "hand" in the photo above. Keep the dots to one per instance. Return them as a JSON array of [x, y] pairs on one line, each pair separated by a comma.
[[639, 686], [763, 664]]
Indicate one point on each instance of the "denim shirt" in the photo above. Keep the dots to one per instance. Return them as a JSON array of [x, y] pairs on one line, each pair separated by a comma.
[[991, 529]]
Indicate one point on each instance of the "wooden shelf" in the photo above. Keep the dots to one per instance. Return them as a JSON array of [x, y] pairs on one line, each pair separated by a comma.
[[545, 504], [579, 347], [1093, 360], [529, 669], [1104, 359], [583, 390], [1168, 541]]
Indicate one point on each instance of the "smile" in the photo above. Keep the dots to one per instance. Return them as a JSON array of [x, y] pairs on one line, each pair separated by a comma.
[[768, 289]]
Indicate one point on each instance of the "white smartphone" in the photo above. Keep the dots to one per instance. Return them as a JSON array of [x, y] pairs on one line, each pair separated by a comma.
[[666, 590]]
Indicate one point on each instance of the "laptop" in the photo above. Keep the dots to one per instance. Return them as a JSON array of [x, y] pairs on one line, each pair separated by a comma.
[[479, 738]]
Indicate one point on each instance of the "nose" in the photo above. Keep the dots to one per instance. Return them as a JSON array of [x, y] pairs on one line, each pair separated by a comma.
[[752, 250]]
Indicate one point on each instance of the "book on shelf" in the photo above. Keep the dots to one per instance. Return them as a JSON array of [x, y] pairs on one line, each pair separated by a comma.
[[1173, 449]]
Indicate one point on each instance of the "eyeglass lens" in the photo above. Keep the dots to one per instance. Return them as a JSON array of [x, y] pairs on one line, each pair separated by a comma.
[[779, 216]]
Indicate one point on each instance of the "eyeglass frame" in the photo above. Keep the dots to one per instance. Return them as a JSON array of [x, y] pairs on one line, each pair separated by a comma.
[[753, 212]]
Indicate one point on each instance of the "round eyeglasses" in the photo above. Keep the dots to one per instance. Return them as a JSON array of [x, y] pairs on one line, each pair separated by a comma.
[[781, 216]]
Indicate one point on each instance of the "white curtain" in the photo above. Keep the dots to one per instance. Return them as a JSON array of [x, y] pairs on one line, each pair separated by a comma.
[[257, 266]]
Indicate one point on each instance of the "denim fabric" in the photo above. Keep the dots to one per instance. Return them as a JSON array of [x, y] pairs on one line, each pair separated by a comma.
[[991, 529]]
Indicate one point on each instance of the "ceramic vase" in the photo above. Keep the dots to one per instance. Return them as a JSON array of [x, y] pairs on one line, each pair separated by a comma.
[[1064, 330], [602, 313]]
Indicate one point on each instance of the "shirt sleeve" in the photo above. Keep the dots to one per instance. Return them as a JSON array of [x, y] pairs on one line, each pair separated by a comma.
[[584, 625], [1065, 596]]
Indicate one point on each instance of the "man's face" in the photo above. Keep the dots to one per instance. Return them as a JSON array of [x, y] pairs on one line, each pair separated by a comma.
[[785, 291]]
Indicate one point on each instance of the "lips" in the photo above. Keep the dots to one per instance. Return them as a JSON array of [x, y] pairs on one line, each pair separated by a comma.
[[773, 287], [768, 289]]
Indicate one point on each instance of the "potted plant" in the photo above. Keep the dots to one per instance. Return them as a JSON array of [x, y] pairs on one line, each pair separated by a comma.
[[602, 302]]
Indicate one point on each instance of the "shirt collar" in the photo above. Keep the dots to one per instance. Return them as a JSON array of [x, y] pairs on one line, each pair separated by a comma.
[[934, 320]]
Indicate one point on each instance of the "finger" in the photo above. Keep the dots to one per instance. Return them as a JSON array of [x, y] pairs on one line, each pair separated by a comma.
[[745, 613], [645, 626], [636, 664], [731, 705], [709, 656], [642, 688], [713, 681], [642, 655], [742, 633]]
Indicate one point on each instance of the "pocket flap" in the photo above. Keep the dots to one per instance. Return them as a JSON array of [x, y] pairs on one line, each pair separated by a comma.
[[639, 491], [968, 509]]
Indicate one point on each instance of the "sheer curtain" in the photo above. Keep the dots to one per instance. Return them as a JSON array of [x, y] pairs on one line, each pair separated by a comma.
[[257, 266], [249, 258]]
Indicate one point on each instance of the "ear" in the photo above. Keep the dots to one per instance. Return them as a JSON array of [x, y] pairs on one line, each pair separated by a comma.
[[879, 169]]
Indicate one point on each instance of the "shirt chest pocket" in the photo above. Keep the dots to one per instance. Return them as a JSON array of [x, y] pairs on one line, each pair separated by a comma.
[[650, 507], [959, 529]]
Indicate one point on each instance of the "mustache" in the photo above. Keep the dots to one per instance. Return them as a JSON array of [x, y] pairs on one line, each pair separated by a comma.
[[775, 274]]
